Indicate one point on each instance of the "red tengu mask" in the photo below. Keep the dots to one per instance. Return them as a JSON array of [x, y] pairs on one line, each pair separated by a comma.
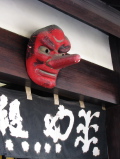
[[47, 54]]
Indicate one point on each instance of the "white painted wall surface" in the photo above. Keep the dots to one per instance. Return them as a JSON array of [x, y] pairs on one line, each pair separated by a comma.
[[26, 16]]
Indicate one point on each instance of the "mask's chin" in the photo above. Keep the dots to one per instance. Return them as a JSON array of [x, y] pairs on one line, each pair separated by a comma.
[[44, 76], [44, 81]]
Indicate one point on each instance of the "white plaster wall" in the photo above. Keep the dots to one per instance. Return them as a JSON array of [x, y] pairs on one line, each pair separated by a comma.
[[26, 16]]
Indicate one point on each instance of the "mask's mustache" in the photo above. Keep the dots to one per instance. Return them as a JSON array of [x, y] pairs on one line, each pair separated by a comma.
[[58, 62], [46, 73]]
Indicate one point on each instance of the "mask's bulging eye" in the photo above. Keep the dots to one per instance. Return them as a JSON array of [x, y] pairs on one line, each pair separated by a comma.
[[44, 50], [63, 54]]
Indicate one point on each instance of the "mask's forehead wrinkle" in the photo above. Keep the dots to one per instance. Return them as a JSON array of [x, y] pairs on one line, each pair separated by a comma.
[[47, 41], [59, 41]]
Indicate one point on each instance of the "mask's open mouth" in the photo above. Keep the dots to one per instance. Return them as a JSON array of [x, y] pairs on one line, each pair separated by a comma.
[[41, 72]]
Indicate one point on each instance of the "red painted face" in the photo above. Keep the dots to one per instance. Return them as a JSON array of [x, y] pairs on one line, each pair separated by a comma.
[[47, 54]]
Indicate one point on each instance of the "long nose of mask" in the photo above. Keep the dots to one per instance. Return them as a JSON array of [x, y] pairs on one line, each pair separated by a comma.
[[58, 62]]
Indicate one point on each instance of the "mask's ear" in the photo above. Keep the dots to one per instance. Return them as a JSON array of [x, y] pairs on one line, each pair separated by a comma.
[[30, 47]]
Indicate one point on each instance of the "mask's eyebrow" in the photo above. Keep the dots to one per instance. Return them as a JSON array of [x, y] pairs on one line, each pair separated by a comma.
[[48, 43]]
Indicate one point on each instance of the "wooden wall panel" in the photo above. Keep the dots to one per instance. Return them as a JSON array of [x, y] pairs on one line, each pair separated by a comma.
[[83, 79]]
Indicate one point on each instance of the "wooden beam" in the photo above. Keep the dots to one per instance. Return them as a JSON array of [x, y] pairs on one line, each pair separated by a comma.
[[94, 12], [84, 79], [115, 3]]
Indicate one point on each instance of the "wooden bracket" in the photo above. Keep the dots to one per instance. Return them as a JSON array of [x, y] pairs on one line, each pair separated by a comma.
[[56, 99], [28, 92], [82, 104], [103, 107]]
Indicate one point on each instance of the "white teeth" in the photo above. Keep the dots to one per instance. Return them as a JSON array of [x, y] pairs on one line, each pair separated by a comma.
[[51, 74]]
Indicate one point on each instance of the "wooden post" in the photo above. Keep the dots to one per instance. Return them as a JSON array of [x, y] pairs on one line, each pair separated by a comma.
[[113, 113]]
